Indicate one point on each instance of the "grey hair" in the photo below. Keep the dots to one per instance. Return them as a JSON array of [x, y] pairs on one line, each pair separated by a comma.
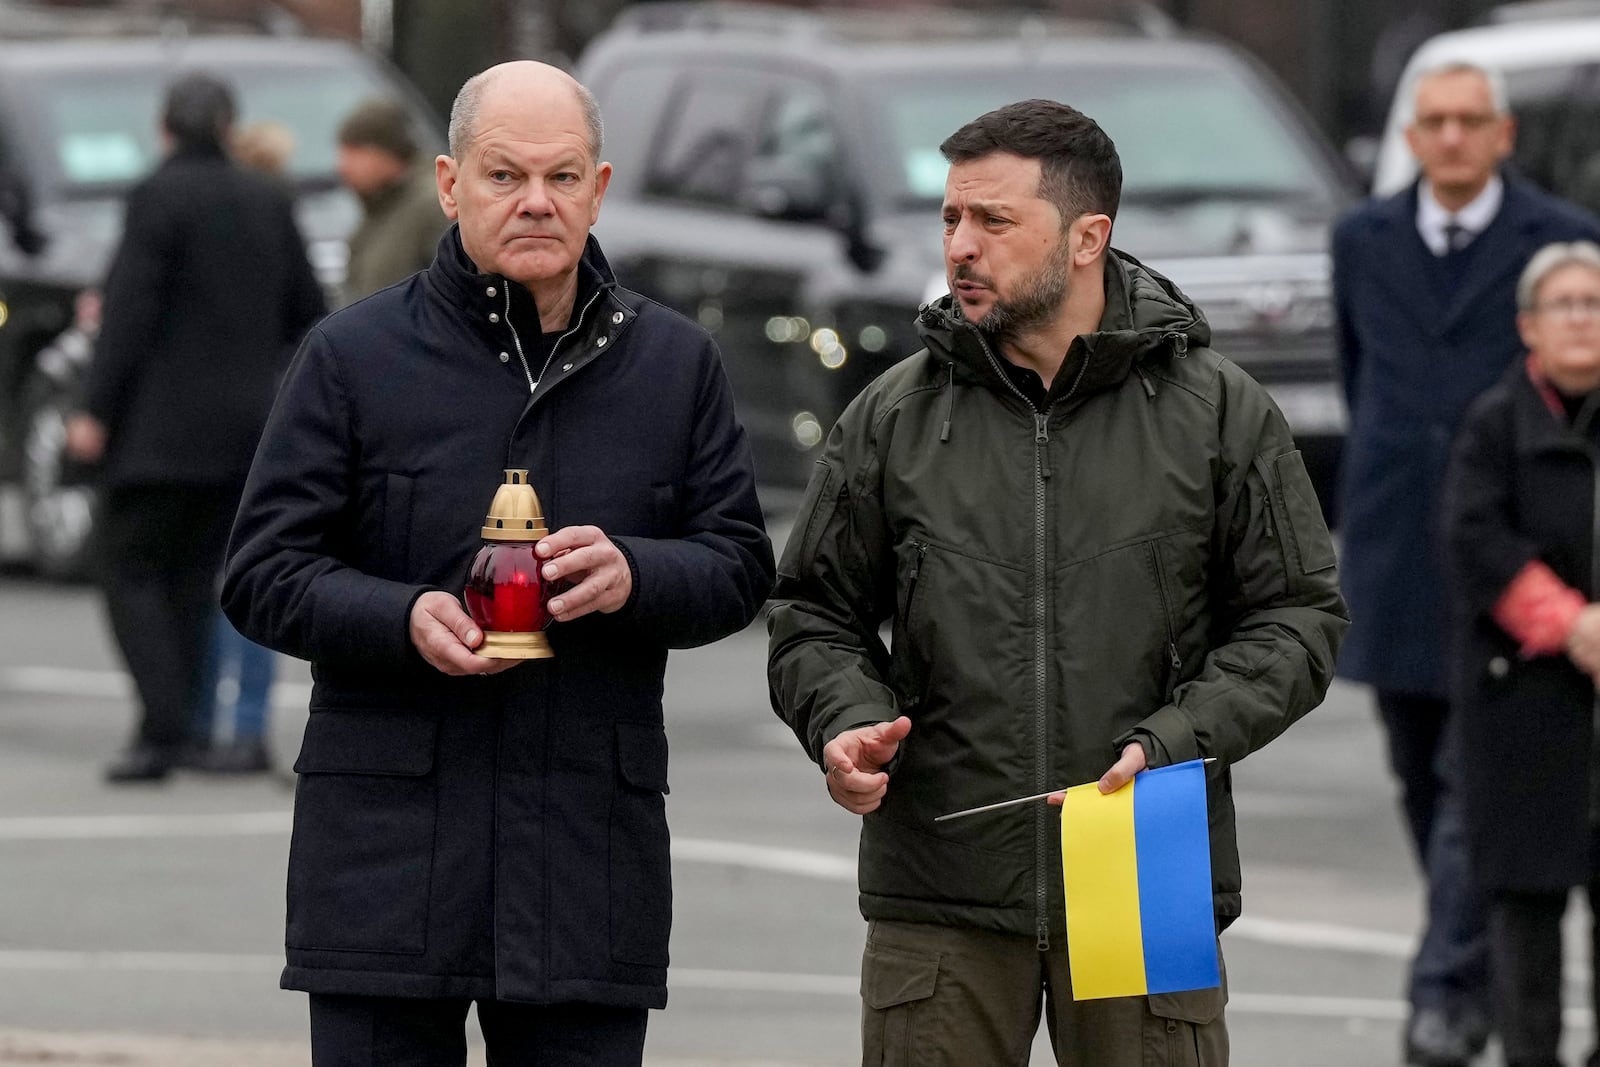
[[464, 116], [1547, 261], [1497, 84]]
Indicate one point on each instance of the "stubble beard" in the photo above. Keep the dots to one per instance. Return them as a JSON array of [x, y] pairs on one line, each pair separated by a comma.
[[1037, 301]]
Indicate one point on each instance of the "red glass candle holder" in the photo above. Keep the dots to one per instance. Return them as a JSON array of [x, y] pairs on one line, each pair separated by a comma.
[[505, 594]]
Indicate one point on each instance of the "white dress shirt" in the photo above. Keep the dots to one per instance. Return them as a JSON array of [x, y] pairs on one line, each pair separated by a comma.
[[1474, 218]]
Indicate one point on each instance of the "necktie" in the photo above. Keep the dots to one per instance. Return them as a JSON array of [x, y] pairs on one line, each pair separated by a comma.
[[1456, 236]]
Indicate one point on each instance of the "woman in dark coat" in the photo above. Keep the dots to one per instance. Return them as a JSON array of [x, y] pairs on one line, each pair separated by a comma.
[[1522, 510]]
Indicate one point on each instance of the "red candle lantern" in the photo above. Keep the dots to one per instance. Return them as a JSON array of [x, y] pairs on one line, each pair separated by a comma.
[[505, 594]]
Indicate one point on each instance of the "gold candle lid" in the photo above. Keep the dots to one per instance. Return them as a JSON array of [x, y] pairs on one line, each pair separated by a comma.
[[514, 514]]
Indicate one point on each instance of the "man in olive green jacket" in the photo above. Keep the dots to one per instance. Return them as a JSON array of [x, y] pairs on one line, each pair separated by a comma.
[[401, 220], [1097, 547]]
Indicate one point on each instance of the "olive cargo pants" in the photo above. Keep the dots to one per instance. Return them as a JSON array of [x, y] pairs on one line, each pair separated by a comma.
[[943, 996]]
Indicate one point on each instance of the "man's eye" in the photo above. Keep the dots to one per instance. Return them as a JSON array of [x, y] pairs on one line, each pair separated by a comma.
[[566, 177], [500, 175]]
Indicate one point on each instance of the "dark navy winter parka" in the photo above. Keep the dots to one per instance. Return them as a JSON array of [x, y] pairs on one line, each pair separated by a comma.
[[499, 836]]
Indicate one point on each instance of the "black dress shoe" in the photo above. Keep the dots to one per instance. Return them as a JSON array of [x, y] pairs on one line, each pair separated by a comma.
[[247, 756], [1433, 1040], [142, 763]]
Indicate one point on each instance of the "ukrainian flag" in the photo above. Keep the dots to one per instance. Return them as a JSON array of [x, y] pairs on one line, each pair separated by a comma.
[[1137, 865]]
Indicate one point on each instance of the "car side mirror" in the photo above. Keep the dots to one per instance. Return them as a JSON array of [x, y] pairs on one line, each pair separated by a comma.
[[783, 187]]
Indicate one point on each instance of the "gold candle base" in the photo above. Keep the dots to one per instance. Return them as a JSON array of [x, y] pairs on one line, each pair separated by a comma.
[[497, 645]]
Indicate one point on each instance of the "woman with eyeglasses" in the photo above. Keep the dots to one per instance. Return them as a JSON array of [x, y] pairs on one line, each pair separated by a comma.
[[1522, 525]]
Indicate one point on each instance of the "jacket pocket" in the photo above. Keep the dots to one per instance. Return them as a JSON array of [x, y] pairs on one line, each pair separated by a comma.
[[1172, 669], [641, 859], [396, 523], [361, 855], [896, 986], [816, 509]]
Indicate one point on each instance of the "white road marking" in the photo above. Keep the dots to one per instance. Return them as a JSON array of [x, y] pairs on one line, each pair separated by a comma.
[[686, 978], [116, 685]]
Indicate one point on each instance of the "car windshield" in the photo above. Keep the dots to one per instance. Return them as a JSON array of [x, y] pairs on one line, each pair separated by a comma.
[[104, 129], [1558, 128], [1183, 133]]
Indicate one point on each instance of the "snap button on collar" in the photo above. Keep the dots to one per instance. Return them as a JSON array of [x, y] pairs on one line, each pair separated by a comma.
[[493, 317], [600, 343], [505, 357], [616, 320], [491, 291]]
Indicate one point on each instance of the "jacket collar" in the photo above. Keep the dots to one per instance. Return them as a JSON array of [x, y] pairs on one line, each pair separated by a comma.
[[1144, 313], [484, 296]]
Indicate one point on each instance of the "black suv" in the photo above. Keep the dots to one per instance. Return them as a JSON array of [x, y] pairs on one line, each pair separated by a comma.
[[79, 125], [778, 179]]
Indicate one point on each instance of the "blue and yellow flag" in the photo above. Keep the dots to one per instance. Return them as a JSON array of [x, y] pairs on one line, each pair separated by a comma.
[[1137, 865]]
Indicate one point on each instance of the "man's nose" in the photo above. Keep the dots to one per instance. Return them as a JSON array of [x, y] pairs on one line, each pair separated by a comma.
[[535, 200], [961, 246]]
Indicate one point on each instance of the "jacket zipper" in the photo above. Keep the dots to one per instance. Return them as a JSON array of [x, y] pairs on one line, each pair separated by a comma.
[[1173, 659], [577, 323], [911, 580], [1041, 704]]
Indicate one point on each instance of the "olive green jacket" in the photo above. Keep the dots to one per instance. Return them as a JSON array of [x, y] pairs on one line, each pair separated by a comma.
[[1144, 560], [400, 229]]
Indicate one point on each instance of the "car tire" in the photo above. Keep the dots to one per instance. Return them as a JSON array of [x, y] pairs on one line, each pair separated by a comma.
[[59, 500]]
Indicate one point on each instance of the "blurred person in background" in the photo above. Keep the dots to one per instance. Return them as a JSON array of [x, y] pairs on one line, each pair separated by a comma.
[[208, 293], [535, 795], [231, 733], [1424, 289], [1522, 511], [1076, 517], [401, 217]]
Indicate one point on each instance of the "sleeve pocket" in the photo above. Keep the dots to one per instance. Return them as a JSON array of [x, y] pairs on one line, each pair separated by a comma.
[[1297, 516], [816, 508], [642, 756], [368, 742]]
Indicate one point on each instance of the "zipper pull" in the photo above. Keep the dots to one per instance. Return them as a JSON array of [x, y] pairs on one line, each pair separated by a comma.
[[1041, 429], [1042, 942], [1172, 650], [916, 568]]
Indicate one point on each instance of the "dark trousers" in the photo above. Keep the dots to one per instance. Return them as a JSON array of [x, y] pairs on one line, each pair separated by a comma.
[[946, 996], [406, 1032], [1525, 938], [163, 548], [1451, 969]]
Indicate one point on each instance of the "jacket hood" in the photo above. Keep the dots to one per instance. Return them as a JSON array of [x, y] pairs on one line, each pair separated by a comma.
[[1146, 316]]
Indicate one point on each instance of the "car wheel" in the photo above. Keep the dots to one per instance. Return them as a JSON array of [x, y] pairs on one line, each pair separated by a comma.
[[58, 501]]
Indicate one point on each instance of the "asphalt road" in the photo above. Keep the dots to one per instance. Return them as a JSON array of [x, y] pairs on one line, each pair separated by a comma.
[[143, 925]]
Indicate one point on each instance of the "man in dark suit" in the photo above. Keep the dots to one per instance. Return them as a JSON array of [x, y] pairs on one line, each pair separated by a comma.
[[1424, 286], [207, 296]]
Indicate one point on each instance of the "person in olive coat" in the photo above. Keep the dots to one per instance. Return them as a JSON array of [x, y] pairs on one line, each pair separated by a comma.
[[1522, 509], [465, 832]]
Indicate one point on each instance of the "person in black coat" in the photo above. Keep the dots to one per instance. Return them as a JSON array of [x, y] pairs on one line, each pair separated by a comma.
[[466, 832], [1423, 291], [1523, 505], [208, 294]]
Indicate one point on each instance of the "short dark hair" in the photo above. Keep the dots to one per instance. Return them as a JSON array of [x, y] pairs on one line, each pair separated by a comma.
[[199, 111], [1080, 172]]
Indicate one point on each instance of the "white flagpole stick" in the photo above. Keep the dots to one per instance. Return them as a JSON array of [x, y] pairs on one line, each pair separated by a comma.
[[1018, 800]]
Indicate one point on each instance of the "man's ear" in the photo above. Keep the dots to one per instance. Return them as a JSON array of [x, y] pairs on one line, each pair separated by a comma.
[[445, 175], [1088, 238]]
